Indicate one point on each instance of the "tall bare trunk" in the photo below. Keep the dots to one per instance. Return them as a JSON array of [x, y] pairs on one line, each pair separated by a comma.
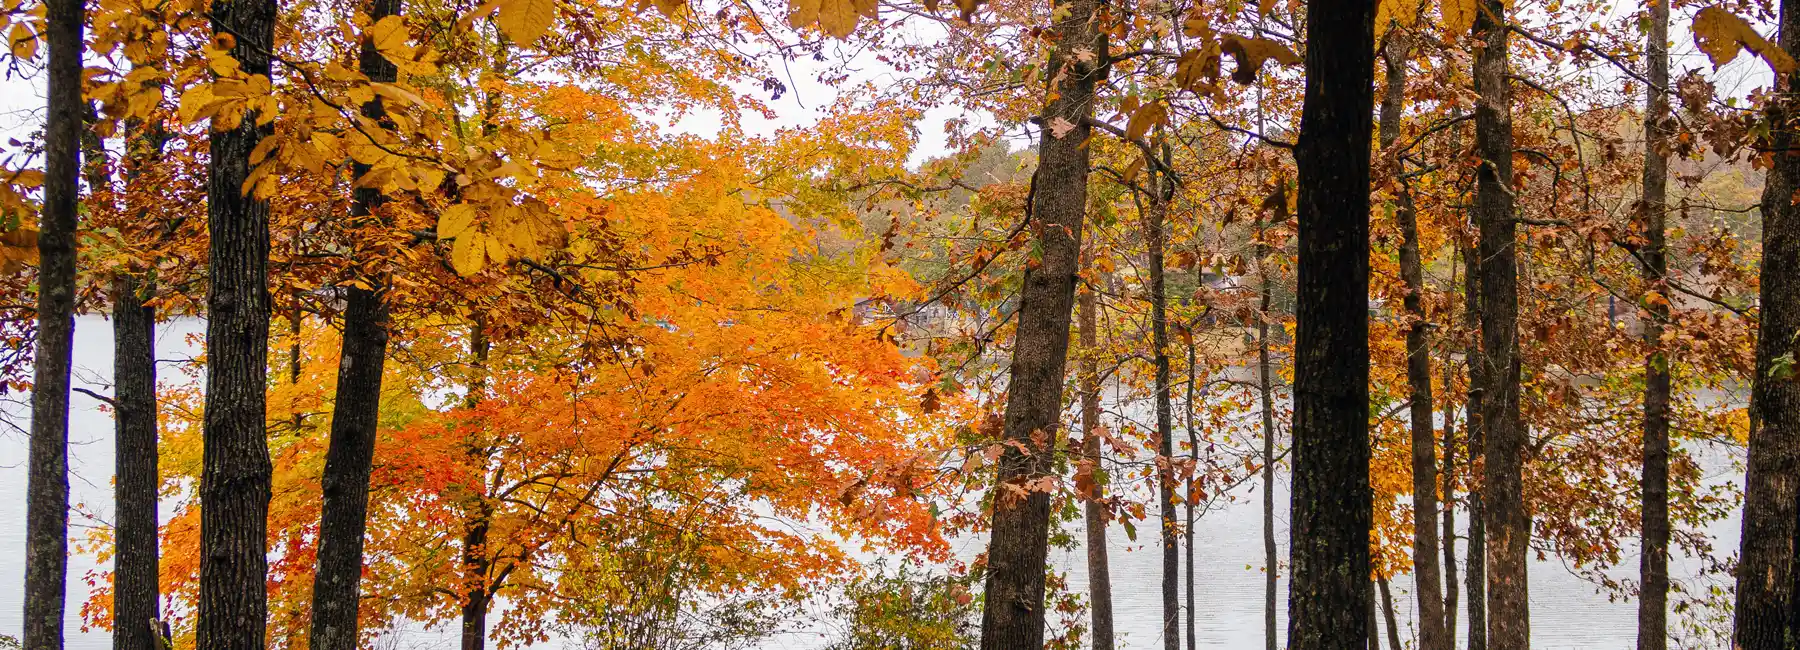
[[1508, 525], [1155, 217], [477, 592], [1765, 581], [1448, 481], [1265, 378], [1428, 590], [1099, 569], [234, 481], [1013, 615], [136, 603], [1653, 564], [1332, 501], [355, 410], [1477, 446], [1193, 489], [47, 482], [1387, 613]]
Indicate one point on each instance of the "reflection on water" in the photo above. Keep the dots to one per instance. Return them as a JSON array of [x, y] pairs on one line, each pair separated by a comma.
[[1567, 612]]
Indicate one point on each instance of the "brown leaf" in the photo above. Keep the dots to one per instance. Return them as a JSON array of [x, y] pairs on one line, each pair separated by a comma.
[[1251, 53]]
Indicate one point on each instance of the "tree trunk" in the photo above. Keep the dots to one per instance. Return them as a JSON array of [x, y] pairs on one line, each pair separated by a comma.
[[1448, 481], [1509, 627], [1265, 378], [1428, 590], [1165, 431], [234, 481], [1193, 489], [356, 410], [1332, 502], [1374, 626], [135, 587], [1653, 563], [477, 592], [1099, 569], [1765, 604], [47, 482], [1013, 611], [1387, 612], [137, 612], [1477, 446]]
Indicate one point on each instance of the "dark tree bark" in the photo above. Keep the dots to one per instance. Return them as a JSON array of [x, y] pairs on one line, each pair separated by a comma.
[[1477, 446], [47, 482], [234, 480], [1332, 506], [1765, 584], [1428, 589], [1374, 625], [1154, 234], [355, 412], [137, 617], [1508, 525], [135, 588], [1653, 563], [1099, 565], [1265, 378], [1013, 612]]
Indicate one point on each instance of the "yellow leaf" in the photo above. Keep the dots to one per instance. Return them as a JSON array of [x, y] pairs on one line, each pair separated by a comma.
[[144, 102], [837, 17], [1404, 13], [524, 21], [428, 177], [326, 143], [397, 93], [1143, 118], [523, 239], [1251, 53], [24, 43], [469, 254], [388, 35], [484, 10], [1719, 33], [803, 13], [496, 250], [454, 220], [195, 99], [1459, 16], [262, 149], [669, 7]]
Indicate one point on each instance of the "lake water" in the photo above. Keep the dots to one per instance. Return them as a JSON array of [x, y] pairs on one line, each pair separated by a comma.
[[1567, 612]]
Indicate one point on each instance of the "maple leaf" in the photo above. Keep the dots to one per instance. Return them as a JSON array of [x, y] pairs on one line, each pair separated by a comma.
[[1060, 126]]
